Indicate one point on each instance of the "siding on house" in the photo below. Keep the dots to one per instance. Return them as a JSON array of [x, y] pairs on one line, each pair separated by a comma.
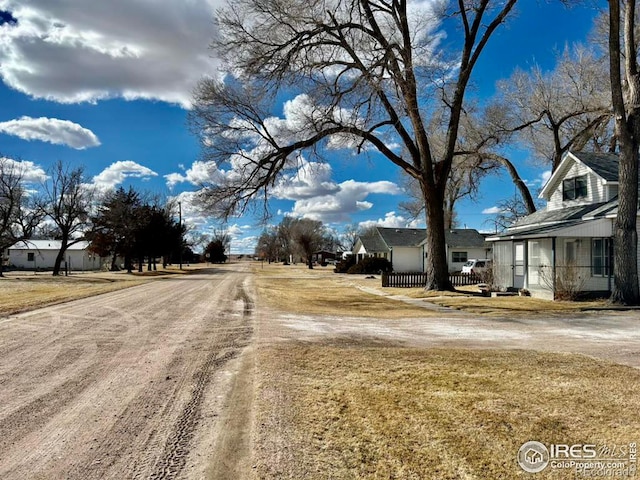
[[478, 253], [41, 254], [596, 192], [407, 259]]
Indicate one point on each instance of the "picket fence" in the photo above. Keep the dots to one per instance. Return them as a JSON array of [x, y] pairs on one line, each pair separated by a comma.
[[418, 279]]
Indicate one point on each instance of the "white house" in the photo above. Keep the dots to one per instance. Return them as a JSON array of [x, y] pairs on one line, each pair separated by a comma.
[[569, 242], [41, 254], [405, 247]]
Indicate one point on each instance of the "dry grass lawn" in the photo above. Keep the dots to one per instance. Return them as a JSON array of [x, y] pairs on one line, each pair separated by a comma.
[[26, 293], [23, 291], [296, 289], [361, 412]]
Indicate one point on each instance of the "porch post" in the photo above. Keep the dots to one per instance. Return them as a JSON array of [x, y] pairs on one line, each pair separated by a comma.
[[553, 265]]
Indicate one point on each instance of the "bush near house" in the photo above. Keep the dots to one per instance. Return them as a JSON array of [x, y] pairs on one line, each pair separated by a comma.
[[371, 265], [345, 264]]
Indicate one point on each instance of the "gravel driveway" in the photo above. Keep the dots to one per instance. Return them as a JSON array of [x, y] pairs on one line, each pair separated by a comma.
[[131, 384]]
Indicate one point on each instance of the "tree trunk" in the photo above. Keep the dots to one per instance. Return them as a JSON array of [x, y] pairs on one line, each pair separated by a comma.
[[520, 185], [627, 121], [63, 249], [435, 249], [625, 285]]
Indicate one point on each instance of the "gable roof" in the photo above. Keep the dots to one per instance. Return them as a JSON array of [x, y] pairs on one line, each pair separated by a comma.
[[383, 239], [373, 243], [604, 165], [464, 237], [402, 237]]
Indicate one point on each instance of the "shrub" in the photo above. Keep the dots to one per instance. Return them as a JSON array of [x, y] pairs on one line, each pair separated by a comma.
[[375, 265], [357, 268], [345, 264]]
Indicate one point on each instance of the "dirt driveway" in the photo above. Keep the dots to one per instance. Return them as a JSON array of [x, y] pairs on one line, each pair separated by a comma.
[[614, 336], [131, 384]]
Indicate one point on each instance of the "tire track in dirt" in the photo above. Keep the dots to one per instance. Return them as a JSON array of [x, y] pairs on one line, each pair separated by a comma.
[[35, 414], [170, 352], [177, 447]]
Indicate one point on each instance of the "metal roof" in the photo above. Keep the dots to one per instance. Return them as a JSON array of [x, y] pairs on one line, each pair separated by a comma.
[[47, 245]]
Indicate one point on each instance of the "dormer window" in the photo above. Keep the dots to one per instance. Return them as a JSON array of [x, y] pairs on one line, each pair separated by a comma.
[[573, 188]]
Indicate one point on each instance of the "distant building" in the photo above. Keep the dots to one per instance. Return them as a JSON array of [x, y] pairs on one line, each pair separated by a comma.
[[405, 248], [41, 255]]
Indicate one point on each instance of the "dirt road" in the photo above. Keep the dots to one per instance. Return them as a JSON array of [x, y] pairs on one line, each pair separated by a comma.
[[138, 383]]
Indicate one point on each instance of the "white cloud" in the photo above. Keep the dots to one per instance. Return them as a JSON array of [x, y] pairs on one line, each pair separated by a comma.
[[31, 173], [311, 180], [492, 210], [540, 181], [199, 173], [116, 173], [52, 130], [77, 51], [391, 220], [348, 198]]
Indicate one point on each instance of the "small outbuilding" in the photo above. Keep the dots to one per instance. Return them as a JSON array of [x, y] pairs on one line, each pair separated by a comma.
[[41, 255]]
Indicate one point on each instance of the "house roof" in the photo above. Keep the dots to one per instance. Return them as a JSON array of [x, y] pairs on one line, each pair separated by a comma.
[[605, 165], [386, 238], [373, 243], [402, 237], [47, 245], [545, 217], [464, 237]]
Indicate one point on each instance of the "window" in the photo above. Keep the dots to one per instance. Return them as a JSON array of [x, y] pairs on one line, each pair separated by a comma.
[[573, 188], [534, 263], [601, 257], [458, 257], [31, 256]]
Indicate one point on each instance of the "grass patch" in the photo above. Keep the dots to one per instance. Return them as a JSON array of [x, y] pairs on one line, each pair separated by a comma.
[[360, 412], [502, 305], [18, 294], [296, 289]]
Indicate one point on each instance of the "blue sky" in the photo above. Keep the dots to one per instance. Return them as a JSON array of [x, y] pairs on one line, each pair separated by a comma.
[[107, 85]]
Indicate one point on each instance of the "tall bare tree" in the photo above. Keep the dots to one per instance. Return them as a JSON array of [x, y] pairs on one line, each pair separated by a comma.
[[68, 200], [373, 72], [20, 213], [625, 89], [549, 113], [564, 109]]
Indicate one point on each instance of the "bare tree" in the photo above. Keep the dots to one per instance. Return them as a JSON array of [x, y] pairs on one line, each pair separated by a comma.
[[625, 89], [20, 213], [372, 73], [308, 236], [565, 109], [350, 236], [68, 202]]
